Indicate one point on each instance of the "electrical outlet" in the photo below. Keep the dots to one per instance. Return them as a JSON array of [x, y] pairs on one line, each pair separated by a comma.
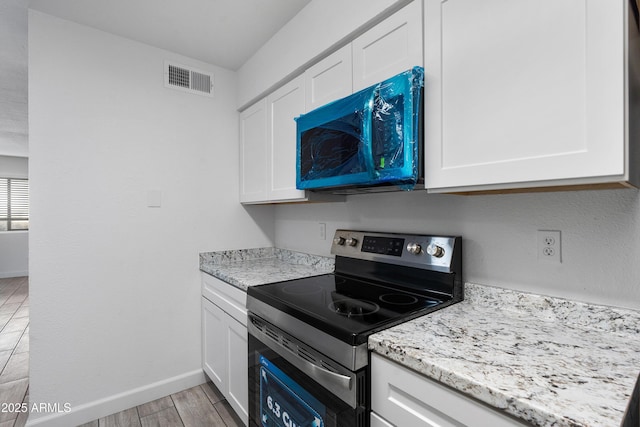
[[549, 247]]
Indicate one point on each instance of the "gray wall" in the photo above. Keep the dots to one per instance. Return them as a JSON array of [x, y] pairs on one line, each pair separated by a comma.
[[600, 236], [115, 287]]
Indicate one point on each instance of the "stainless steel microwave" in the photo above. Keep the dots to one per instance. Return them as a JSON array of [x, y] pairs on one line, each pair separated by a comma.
[[365, 142]]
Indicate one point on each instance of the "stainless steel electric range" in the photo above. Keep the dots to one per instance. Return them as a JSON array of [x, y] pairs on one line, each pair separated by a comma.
[[308, 356]]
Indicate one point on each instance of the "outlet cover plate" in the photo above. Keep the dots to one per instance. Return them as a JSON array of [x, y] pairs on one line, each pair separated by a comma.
[[549, 246]]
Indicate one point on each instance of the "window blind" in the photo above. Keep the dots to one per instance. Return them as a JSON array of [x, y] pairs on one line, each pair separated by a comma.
[[14, 204]]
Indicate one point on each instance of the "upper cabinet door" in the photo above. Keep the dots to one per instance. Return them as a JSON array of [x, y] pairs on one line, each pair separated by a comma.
[[521, 93], [253, 153], [329, 79], [284, 105], [389, 48]]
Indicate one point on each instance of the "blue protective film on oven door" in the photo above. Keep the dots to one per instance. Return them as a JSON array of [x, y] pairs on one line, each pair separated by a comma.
[[283, 402], [367, 138]]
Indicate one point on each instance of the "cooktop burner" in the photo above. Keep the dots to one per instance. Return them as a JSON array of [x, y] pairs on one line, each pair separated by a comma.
[[397, 298], [354, 307]]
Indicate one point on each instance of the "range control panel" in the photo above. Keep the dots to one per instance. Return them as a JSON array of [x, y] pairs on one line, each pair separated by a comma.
[[383, 245], [416, 250]]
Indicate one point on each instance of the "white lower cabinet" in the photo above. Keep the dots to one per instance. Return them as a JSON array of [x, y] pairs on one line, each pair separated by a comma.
[[401, 397], [214, 332], [238, 379], [378, 421], [224, 341]]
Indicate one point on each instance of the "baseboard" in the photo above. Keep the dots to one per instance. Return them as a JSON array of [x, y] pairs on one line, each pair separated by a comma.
[[119, 402], [8, 274]]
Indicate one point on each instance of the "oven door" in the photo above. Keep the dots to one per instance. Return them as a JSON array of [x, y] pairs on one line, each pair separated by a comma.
[[288, 388]]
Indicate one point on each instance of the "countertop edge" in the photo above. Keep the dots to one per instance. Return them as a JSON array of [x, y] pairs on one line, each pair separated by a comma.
[[243, 268]]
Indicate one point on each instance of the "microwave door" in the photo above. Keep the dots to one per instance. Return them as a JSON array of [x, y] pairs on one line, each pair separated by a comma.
[[334, 144], [371, 137]]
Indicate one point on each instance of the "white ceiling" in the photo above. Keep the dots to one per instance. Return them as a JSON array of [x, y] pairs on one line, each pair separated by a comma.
[[220, 32]]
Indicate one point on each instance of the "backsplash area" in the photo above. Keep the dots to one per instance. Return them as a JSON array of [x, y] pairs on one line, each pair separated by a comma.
[[600, 233]]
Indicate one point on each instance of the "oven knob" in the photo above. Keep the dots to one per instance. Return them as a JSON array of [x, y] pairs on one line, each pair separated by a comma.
[[435, 250], [338, 241], [414, 248], [351, 241]]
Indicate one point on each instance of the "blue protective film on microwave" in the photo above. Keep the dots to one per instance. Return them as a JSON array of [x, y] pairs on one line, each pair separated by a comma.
[[367, 138], [332, 140], [283, 402]]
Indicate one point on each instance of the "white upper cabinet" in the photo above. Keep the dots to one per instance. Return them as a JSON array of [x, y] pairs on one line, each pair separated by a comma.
[[389, 48], [268, 152], [253, 153], [329, 79], [526, 94], [268, 134], [284, 105]]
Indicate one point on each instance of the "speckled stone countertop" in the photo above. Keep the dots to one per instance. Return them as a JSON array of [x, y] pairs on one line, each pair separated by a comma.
[[250, 267], [548, 361]]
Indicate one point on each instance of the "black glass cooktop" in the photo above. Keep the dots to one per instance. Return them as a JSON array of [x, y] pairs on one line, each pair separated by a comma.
[[347, 308]]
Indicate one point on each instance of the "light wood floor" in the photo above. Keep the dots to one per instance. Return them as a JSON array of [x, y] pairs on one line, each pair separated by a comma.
[[196, 407], [14, 348]]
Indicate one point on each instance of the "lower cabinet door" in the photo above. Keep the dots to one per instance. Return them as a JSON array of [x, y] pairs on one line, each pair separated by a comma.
[[214, 332], [238, 369], [377, 421], [406, 398]]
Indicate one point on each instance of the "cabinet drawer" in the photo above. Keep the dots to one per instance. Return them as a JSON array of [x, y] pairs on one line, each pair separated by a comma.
[[406, 398], [229, 298]]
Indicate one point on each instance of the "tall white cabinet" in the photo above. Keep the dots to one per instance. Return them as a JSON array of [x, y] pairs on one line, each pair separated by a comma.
[[528, 94]]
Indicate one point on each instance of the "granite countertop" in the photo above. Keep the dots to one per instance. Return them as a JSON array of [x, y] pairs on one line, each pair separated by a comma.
[[548, 361], [250, 267]]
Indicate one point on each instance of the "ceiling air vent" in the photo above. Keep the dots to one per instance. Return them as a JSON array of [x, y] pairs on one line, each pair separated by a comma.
[[188, 79]]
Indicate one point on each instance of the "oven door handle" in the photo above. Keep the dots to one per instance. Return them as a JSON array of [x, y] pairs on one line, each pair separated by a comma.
[[323, 375], [340, 385]]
